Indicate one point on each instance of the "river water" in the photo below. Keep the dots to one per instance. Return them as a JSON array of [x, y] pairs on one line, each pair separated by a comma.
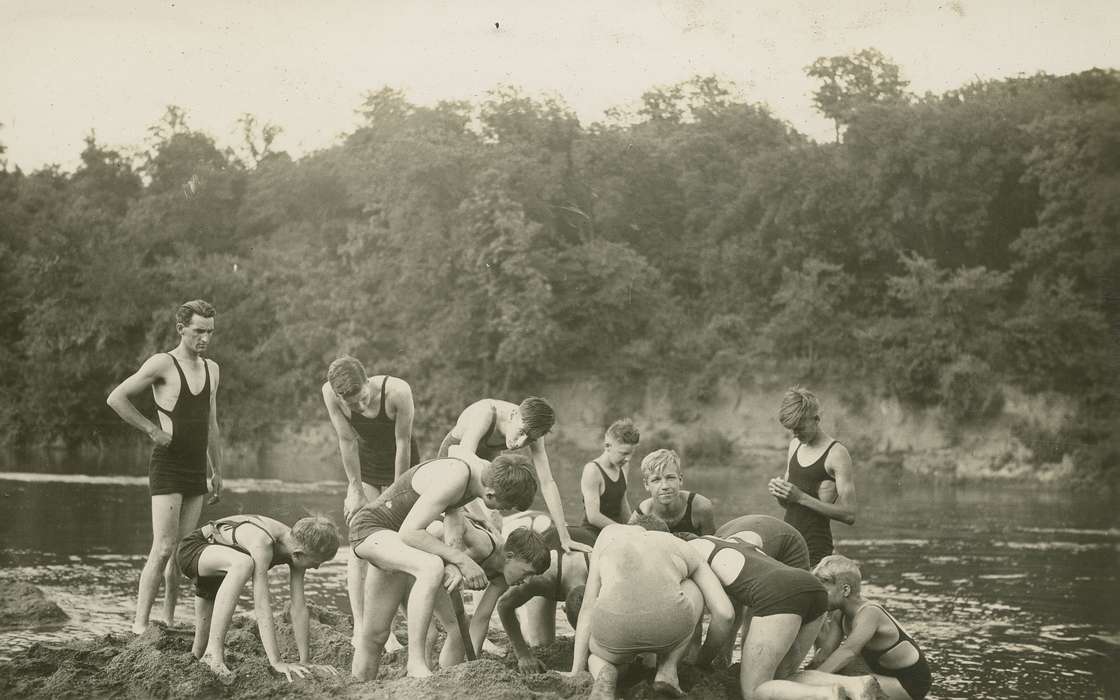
[[1010, 589]]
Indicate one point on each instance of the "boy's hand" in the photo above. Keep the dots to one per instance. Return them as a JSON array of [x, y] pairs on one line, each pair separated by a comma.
[[530, 664], [324, 669], [452, 577], [355, 499], [784, 490], [573, 546], [474, 577], [216, 492], [288, 669], [160, 436]]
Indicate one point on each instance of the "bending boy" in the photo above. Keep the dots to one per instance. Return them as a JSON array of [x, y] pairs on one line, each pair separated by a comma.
[[391, 533], [868, 630], [222, 555], [486, 428], [645, 593]]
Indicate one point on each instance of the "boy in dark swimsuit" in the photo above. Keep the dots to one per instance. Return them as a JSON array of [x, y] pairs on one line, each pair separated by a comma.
[[682, 511], [787, 607], [861, 627], [604, 479], [391, 533], [222, 555], [184, 385], [486, 428], [372, 418], [813, 461]]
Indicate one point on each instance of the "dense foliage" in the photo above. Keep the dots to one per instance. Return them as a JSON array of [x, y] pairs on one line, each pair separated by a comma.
[[945, 246]]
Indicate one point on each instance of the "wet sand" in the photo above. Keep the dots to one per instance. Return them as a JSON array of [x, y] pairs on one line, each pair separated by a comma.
[[158, 664]]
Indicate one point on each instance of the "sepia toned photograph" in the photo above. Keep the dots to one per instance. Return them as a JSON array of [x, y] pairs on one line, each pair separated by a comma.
[[580, 350]]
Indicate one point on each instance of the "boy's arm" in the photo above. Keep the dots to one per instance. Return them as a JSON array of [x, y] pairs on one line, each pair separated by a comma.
[[403, 427], [715, 600], [260, 549], [583, 624], [480, 620], [301, 623], [828, 638], [590, 486], [863, 629], [508, 604], [348, 449], [434, 498], [214, 439], [119, 399], [704, 515], [552, 497]]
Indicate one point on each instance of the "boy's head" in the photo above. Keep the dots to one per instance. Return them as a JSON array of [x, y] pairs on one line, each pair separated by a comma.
[[348, 380], [315, 540], [533, 419], [194, 322], [619, 442], [648, 521], [841, 578], [508, 483], [800, 413], [572, 604], [526, 555], [661, 474]]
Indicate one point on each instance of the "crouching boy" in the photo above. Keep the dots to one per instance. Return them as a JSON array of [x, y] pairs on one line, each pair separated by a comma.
[[223, 554]]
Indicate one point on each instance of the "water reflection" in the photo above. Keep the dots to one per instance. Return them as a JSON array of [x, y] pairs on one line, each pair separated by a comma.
[[1011, 591]]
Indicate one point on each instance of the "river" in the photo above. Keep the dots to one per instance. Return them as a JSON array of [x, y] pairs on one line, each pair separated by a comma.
[[1010, 588]]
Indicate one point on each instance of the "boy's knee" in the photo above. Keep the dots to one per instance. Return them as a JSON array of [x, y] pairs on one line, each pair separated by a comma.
[[163, 550], [243, 567]]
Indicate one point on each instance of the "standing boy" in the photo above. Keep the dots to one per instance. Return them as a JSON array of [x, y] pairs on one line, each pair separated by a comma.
[[604, 478], [184, 385], [814, 458]]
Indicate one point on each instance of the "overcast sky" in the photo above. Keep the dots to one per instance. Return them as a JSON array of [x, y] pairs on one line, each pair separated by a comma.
[[68, 66]]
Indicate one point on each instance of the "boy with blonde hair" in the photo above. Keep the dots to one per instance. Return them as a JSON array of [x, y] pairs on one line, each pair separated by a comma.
[[682, 511], [861, 627]]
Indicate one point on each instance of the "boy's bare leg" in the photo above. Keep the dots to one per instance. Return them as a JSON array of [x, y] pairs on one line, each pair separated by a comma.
[[165, 529], [666, 681], [870, 687], [766, 643], [391, 588], [538, 621], [800, 649], [453, 651], [189, 512], [385, 551], [203, 612], [238, 569], [606, 678]]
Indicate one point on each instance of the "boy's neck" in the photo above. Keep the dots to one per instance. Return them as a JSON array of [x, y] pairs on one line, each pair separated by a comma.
[[185, 352], [678, 501], [605, 462], [852, 604]]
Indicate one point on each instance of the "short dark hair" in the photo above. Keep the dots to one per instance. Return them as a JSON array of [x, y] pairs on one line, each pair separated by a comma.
[[190, 309], [318, 536], [649, 521], [572, 605], [511, 476], [528, 545], [537, 416], [346, 376], [624, 431]]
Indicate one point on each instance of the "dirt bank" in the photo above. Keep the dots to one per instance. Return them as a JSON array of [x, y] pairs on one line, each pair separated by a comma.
[[24, 605], [158, 664]]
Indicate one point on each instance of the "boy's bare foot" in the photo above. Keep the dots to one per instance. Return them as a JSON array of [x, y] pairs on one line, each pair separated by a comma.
[[606, 684], [418, 671], [870, 689], [219, 668], [667, 688]]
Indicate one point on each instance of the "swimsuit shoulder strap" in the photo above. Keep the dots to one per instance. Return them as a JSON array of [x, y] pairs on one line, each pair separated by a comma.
[[384, 381], [262, 528], [182, 382]]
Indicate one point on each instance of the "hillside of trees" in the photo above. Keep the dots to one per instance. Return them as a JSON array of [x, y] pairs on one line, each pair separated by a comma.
[[943, 247]]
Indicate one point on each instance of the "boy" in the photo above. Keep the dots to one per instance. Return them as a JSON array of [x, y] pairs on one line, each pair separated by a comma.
[[867, 629], [813, 461], [486, 428], [645, 593], [683, 511], [604, 479], [776, 538], [391, 533], [787, 608], [507, 561], [373, 422], [184, 385], [223, 554]]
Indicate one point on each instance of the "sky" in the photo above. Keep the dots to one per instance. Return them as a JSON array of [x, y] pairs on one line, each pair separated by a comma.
[[71, 66]]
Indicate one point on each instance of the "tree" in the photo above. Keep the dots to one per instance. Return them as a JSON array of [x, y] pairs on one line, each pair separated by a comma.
[[851, 82]]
